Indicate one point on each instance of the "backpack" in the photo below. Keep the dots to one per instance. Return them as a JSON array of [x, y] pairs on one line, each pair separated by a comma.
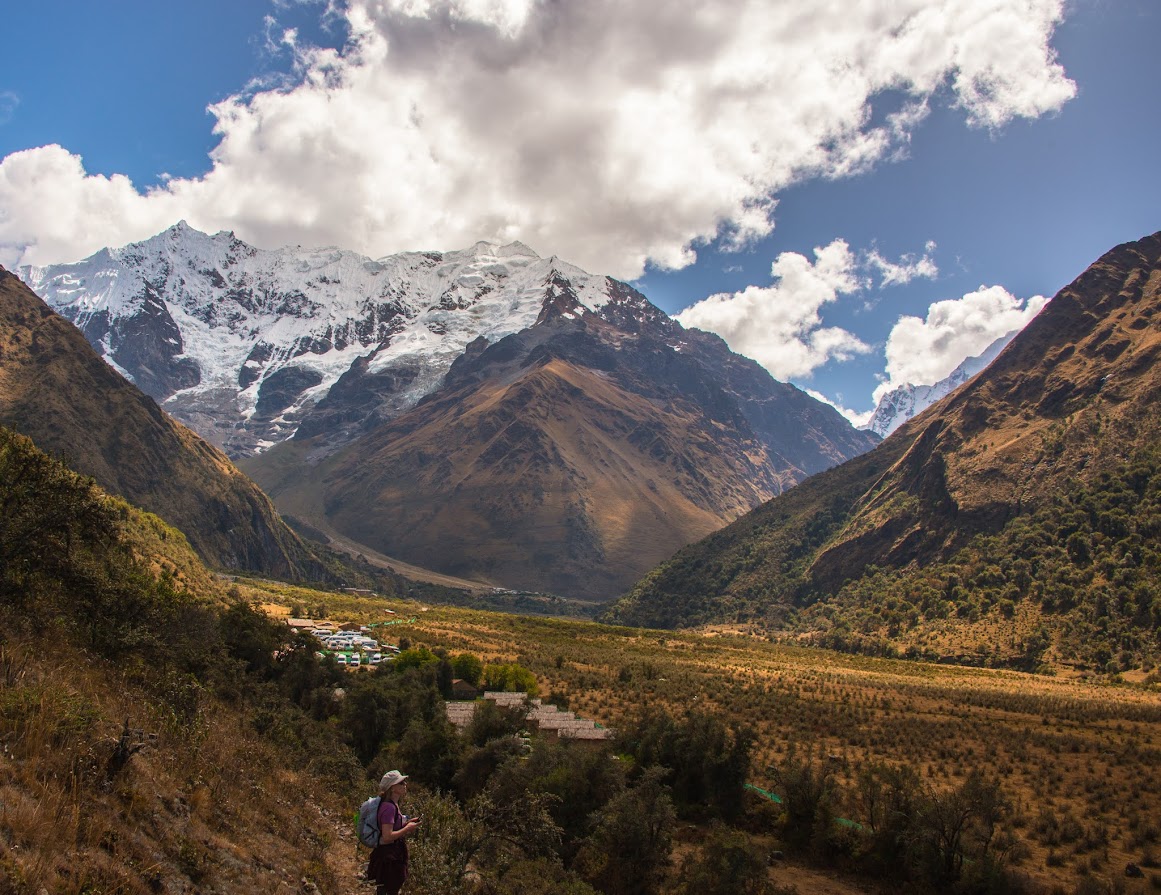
[[367, 825]]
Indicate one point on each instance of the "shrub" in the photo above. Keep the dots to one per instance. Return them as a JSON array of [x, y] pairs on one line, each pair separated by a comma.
[[727, 863]]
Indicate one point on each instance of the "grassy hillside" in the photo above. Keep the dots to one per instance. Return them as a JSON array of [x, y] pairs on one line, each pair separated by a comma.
[[56, 390], [1062, 424], [131, 761]]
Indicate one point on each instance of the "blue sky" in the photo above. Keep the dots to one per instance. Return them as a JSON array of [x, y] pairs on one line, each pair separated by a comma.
[[952, 151]]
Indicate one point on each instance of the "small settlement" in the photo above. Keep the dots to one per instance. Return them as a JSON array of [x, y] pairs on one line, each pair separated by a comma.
[[353, 646], [547, 719]]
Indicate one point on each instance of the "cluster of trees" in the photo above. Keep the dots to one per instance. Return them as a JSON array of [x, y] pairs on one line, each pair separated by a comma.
[[1089, 558], [504, 812], [932, 839]]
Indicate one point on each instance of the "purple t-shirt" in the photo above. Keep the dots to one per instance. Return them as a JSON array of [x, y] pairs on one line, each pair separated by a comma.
[[390, 817]]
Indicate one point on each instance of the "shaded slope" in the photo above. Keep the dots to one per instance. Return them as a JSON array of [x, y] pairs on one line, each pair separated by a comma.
[[57, 391], [1072, 397], [568, 457]]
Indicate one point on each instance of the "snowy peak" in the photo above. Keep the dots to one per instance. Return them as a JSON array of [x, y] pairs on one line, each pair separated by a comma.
[[242, 343], [907, 401]]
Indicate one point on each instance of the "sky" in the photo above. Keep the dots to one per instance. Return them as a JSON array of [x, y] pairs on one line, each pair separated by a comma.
[[856, 193]]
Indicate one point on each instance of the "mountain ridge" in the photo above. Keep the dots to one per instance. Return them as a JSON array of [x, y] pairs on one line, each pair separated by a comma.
[[57, 391], [242, 343], [566, 457], [323, 357], [907, 401], [1065, 406]]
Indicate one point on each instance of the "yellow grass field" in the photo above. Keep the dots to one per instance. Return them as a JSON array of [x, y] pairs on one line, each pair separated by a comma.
[[1080, 761]]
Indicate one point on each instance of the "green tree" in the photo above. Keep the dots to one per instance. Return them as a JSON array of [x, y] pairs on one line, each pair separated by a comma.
[[628, 851], [468, 668], [807, 789], [958, 825], [726, 863], [707, 760], [491, 721], [510, 679]]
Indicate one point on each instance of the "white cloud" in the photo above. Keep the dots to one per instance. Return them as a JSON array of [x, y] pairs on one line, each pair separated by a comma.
[[856, 418], [781, 327], [8, 103], [906, 269], [924, 351], [611, 132]]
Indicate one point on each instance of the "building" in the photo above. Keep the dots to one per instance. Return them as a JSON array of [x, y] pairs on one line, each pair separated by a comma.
[[547, 719]]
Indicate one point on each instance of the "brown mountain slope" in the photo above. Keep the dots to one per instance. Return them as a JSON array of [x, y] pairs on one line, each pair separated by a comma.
[[57, 391], [569, 457], [1072, 397]]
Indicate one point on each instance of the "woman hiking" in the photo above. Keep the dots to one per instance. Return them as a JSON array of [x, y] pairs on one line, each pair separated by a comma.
[[388, 867]]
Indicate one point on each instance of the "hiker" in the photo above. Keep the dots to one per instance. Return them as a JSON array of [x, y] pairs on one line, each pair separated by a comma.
[[388, 867]]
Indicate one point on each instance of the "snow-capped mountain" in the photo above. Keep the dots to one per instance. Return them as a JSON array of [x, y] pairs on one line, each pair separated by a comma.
[[486, 412], [902, 403], [242, 343]]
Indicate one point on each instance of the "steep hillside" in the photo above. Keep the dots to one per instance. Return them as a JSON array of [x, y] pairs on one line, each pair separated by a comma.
[[132, 758], [568, 457], [57, 391], [1066, 410]]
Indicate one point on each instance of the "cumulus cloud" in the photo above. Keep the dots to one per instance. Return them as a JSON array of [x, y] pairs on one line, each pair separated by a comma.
[[611, 132], [781, 327], [906, 269], [924, 351], [856, 418]]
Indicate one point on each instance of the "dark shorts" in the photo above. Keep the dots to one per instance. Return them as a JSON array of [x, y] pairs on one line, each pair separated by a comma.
[[388, 868]]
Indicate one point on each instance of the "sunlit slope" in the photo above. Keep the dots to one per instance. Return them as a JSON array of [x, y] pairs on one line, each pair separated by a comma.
[[1069, 405]]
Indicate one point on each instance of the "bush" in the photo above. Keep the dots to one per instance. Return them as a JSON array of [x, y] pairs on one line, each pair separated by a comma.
[[727, 863], [468, 668], [628, 851], [707, 761]]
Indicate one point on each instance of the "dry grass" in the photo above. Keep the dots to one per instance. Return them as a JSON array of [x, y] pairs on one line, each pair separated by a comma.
[[1078, 758], [200, 806]]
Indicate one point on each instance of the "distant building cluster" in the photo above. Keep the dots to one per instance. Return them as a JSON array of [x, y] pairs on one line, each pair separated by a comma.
[[547, 719], [351, 645]]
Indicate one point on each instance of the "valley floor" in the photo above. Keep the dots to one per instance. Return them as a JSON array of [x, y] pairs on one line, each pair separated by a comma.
[[1077, 759]]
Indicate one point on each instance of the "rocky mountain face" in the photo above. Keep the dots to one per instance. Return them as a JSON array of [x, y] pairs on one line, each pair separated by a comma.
[[567, 457], [58, 392], [1064, 406], [487, 412], [243, 344], [907, 401]]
